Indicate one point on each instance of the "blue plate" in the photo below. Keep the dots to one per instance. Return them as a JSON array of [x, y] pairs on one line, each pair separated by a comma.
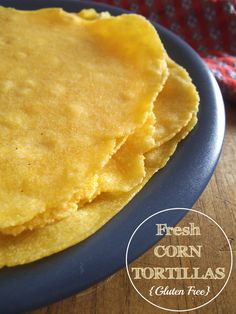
[[179, 184]]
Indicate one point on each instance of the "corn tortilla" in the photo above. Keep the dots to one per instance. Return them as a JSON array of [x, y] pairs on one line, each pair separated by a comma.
[[68, 103]]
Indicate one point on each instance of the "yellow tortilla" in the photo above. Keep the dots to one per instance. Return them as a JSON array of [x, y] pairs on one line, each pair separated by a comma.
[[65, 102], [125, 139]]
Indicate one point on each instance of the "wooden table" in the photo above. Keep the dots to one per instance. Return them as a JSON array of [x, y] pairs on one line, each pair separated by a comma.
[[116, 295]]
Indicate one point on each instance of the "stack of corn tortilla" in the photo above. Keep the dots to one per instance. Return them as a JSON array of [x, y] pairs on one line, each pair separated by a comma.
[[91, 106]]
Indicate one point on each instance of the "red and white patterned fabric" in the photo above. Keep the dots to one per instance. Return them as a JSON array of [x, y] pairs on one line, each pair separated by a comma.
[[209, 26]]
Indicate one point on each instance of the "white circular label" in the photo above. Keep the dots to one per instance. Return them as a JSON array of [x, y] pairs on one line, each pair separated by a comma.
[[189, 265]]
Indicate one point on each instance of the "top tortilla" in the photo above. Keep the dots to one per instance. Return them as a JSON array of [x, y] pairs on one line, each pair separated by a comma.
[[67, 93]]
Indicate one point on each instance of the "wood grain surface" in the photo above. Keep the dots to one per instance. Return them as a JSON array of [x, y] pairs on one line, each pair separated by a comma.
[[116, 294]]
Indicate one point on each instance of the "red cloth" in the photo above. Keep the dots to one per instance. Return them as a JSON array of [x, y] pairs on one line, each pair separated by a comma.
[[209, 26]]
